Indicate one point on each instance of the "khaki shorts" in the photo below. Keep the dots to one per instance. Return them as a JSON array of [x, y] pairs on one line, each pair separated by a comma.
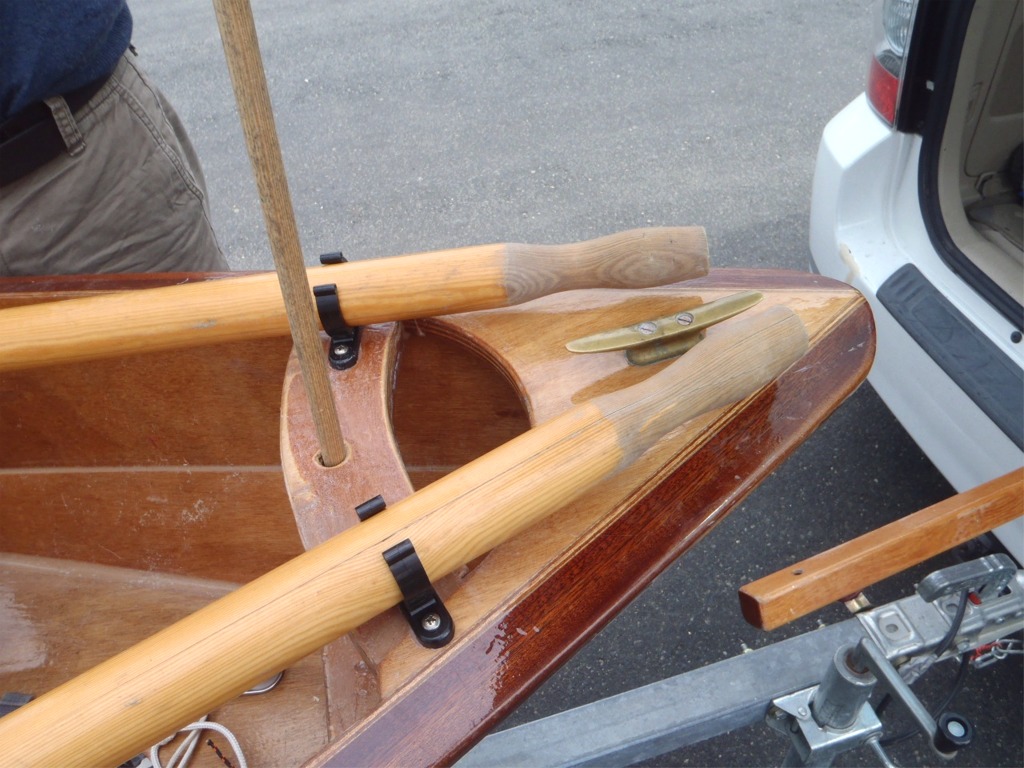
[[132, 200]]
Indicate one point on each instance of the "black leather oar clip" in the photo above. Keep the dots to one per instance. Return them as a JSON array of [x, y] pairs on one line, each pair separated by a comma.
[[344, 350], [429, 619]]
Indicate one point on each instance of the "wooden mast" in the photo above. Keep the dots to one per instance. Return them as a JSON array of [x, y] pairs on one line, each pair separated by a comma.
[[241, 48]]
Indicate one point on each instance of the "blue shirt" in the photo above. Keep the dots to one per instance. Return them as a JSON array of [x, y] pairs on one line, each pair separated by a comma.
[[50, 47]]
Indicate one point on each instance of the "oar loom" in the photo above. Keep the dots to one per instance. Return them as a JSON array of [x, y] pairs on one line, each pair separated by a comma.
[[369, 291]]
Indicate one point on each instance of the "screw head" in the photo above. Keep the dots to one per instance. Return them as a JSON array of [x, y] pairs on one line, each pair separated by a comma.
[[340, 351], [647, 328], [684, 318], [431, 622]]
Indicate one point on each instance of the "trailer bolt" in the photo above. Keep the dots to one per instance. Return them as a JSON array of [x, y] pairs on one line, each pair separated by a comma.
[[431, 622]]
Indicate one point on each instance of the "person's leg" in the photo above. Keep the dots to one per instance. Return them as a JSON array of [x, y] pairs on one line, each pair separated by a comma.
[[133, 199]]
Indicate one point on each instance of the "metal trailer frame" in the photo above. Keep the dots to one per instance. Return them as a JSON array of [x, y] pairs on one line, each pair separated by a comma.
[[777, 684]]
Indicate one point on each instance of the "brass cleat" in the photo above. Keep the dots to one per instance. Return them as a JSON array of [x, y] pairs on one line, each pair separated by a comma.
[[652, 341]]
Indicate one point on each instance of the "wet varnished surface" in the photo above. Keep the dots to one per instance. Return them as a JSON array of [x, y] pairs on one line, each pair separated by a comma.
[[522, 609], [588, 563], [164, 462]]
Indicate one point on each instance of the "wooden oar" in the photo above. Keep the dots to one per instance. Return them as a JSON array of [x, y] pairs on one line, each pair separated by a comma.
[[372, 291], [135, 699], [786, 595]]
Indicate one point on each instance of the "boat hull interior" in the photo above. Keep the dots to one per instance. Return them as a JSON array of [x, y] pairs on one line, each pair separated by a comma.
[[135, 490]]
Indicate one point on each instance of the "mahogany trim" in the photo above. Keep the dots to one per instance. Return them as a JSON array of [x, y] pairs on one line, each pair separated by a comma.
[[429, 722]]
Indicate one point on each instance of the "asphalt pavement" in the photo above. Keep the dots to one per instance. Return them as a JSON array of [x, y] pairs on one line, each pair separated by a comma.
[[411, 126]]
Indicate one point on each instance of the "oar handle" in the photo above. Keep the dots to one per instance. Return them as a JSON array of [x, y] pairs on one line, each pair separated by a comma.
[[736, 358], [500, 275], [637, 258], [124, 705], [371, 291], [464, 280]]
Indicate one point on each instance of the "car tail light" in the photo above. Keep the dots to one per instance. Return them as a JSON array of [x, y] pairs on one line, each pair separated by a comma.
[[895, 20]]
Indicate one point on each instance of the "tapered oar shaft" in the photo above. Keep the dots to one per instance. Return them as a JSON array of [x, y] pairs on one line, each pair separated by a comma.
[[371, 291], [135, 699]]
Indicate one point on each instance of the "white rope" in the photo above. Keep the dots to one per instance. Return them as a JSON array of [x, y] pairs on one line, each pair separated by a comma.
[[183, 754]]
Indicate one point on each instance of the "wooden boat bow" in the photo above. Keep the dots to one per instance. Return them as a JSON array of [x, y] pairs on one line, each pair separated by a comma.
[[400, 704]]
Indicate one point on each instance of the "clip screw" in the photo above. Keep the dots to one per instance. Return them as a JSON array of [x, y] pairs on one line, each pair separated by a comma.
[[431, 622]]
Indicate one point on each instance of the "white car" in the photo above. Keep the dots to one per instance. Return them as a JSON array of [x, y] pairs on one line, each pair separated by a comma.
[[917, 203]]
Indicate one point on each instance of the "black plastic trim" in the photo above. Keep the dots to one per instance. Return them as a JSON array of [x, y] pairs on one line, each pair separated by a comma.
[[939, 28], [941, 60], [987, 375]]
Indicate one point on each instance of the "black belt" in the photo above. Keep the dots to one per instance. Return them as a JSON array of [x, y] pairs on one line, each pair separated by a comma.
[[31, 138]]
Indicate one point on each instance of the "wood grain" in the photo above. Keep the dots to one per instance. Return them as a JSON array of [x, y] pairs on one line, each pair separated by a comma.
[[447, 407], [564, 577], [371, 291], [506, 652], [205, 406], [786, 595], [443, 387], [637, 258], [323, 499], [159, 461], [49, 633], [128, 702], [242, 50], [228, 524]]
